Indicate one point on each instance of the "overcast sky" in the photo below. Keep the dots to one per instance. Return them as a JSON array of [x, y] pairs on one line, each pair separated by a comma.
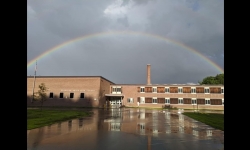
[[130, 35]]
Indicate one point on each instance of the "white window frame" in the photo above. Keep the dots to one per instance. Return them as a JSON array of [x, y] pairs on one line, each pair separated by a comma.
[[167, 90], [115, 126], [142, 90], [209, 132], [193, 90], [142, 100], [194, 99], [141, 127], [167, 99], [181, 129], [205, 90], [180, 100], [195, 132], [180, 90], [181, 118], [142, 114], [120, 91], [154, 89], [130, 100], [222, 89], [154, 98], [207, 100], [222, 101], [115, 89]]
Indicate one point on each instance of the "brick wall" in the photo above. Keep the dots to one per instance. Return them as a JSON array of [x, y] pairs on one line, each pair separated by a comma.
[[90, 86]]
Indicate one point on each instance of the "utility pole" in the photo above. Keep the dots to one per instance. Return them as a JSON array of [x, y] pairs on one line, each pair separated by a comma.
[[34, 83]]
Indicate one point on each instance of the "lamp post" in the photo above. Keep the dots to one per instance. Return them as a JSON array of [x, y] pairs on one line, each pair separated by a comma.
[[34, 84]]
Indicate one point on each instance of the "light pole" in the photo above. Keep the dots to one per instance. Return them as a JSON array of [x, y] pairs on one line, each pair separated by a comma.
[[34, 83]]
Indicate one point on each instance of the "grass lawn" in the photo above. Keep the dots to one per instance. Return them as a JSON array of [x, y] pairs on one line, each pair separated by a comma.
[[211, 119], [36, 118]]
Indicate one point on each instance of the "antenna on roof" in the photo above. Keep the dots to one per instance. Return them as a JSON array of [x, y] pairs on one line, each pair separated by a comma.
[[34, 83]]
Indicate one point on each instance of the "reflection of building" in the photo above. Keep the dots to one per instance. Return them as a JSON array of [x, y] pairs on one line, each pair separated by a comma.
[[115, 126], [150, 123], [96, 91]]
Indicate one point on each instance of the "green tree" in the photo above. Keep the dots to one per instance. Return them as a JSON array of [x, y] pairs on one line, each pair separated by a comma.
[[218, 79], [41, 94]]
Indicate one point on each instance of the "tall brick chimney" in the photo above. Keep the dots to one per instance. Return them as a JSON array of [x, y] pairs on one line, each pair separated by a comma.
[[148, 74]]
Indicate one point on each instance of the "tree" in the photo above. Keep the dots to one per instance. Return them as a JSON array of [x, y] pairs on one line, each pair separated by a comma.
[[218, 79], [41, 94]]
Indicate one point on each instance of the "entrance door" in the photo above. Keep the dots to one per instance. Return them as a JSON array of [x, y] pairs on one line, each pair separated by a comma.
[[115, 102]]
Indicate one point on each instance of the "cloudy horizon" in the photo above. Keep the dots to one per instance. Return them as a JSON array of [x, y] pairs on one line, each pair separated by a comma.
[[182, 40]]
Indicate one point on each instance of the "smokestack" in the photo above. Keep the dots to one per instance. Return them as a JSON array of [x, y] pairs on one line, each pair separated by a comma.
[[148, 74]]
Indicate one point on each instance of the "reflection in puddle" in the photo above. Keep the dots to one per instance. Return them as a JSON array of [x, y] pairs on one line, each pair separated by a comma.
[[114, 126], [158, 126]]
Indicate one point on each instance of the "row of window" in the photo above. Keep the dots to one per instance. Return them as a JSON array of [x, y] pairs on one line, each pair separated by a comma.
[[192, 101], [61, 95], [116, 89], [193, 90]]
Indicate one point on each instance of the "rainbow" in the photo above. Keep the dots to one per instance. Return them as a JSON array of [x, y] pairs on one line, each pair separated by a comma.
[[90, 36]]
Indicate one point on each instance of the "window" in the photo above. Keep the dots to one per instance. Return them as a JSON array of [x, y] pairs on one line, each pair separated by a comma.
[[142, 100], [70, 124], [167, 100], [61, 95], [193, 90], [181, 129], [142, 89], [180, 100], [194, 101], [222, 90], [181, 118], [207, 101], [154, 100], [130, 100], [50, 95], [195, 133], [179, 89], [154, 90], [209, 133], [142, 127], [206, 90], [115, 126], [222, 101], [116, 90], [142, 114], [166, 89], [81, 95], [71, 95], [80, 122]]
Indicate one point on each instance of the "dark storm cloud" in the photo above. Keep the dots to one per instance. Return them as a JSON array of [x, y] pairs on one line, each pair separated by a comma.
[[123, 58]]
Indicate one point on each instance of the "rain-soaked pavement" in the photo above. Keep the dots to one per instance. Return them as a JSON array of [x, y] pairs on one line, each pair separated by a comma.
[[127, 129]]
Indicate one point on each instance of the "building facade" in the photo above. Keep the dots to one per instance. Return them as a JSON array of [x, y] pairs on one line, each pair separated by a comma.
[[96, 91], [77, 91]]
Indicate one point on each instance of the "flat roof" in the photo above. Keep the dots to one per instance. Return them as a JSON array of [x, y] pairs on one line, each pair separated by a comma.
[[146, 85], [71, 77]]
